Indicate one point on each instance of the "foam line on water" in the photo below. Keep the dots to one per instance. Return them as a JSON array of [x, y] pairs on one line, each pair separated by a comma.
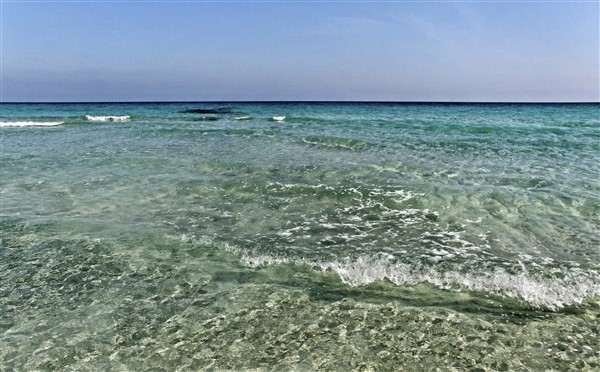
[[566, 288], [108, 118], [553, 293], [30, 123]]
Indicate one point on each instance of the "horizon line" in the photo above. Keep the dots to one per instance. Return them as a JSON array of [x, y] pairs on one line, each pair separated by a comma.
[[307, 101]]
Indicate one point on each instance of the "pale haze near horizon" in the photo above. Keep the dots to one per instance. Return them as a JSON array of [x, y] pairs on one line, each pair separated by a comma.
[[238, 51]]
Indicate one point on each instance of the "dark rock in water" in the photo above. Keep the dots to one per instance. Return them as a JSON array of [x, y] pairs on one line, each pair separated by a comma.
[[432, 216], [219, 110]]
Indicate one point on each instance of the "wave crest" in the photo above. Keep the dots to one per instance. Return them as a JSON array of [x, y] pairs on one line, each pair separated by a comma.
[[30, 124], [553, 293], [107, 118], [564, 288]]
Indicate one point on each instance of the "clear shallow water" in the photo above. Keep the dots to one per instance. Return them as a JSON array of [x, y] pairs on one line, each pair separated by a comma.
[[374, 236]]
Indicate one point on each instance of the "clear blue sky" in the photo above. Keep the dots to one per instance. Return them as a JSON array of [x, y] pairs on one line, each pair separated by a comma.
[[431, 51]]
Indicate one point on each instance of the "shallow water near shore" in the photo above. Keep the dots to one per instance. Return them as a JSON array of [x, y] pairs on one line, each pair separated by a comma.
[[345, 235]]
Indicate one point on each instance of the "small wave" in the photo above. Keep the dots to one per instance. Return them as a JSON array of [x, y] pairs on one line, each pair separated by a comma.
[[539, 292], [107, 118], [552, 291], [567, 288], [30, 124], [242, 118], [278, 118]]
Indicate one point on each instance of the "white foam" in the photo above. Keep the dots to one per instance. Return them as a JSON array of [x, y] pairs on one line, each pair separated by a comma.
[[279, 118], [242, 118], [570, 288], [551, 293], [30, 123], [107, 118]]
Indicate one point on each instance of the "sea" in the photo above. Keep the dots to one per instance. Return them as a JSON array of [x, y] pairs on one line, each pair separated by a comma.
[[300, 236]]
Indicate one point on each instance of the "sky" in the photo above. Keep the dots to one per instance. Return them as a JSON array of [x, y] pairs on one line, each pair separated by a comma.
[[480, 51]]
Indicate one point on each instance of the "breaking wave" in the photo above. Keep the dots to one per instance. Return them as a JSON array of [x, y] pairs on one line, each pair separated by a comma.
[[553, 289], [30, 124], [553, 293], [107, 118]]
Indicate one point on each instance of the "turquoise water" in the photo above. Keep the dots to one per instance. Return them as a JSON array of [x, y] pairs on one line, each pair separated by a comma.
[[346, 235]]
